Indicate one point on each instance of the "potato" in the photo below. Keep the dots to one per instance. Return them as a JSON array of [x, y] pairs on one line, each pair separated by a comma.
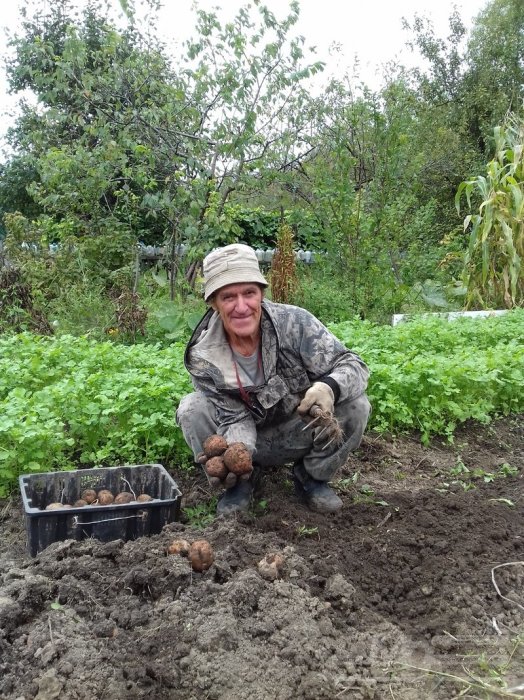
[[54, 506], [271, 566], [80, 503], [201, 555], [179, 547], [216, 467], [89, 495], [105, 497], [237, 458], [214, 446], [144, 498], [124, 497]]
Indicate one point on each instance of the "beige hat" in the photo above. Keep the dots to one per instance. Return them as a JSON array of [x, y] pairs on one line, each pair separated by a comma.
[[232, 264]]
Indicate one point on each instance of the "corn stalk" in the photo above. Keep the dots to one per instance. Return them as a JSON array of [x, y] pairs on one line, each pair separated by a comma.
[[492, 270]]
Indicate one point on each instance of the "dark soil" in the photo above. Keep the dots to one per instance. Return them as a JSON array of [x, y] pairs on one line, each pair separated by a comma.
[[414, 590]]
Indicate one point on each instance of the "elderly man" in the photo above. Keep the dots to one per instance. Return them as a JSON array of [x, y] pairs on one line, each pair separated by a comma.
[[271, 376]]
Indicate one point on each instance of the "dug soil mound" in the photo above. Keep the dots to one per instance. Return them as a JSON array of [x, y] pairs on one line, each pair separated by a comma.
[[414, 590]]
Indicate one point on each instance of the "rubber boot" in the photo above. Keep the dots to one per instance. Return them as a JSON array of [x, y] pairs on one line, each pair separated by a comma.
[[236, 499], [317, 495]]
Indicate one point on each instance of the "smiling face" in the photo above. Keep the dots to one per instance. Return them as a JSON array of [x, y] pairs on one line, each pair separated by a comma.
[[240, 308]]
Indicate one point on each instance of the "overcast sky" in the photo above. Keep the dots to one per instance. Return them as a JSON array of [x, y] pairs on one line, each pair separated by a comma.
[[371, 29]]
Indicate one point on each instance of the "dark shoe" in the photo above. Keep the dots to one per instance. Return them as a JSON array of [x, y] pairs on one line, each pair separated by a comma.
[[236, 499], [317, 495]]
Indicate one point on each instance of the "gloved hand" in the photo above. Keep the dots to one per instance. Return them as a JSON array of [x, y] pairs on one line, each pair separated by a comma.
[[216, 483], [321, 395]]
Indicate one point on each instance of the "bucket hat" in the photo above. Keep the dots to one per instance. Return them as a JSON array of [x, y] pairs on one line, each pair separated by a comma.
[[232, 264]]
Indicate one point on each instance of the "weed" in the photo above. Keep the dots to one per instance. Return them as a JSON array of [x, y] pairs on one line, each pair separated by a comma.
[[202, 515], [304, 531]]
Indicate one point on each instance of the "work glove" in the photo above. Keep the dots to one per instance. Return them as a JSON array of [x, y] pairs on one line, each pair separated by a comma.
[[319, 404], [214, 482], [321, 395]]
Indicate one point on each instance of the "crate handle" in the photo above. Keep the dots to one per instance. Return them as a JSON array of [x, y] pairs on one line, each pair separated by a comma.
[[77, 523]]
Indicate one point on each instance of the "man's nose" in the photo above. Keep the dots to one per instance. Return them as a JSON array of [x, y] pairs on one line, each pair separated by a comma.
[[241, 303]]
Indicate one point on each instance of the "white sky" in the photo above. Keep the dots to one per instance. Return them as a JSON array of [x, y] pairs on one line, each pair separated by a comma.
[[371, 29]]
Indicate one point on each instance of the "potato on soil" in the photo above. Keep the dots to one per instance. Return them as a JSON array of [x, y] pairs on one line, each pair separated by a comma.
[[271, 566], [144, 498], [214, 446], [89, 496], [237, 458], [179, 547], [124, 497], [105, 497], [216, 467], [201, 555]]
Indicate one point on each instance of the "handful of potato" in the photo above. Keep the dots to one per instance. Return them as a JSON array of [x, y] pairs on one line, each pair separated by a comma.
[[224, 463]]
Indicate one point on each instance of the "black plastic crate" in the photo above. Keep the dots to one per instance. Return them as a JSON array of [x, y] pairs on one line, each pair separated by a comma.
[[111, 522]]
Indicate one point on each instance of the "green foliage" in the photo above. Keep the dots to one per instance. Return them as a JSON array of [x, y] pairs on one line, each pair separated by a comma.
[[70, 401], [493, 263], [67, 401], [431, 374], [201, 515]]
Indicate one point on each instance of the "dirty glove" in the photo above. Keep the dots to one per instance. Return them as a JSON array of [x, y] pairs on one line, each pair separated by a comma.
[[216, 483], [213, 481], [321, 395]]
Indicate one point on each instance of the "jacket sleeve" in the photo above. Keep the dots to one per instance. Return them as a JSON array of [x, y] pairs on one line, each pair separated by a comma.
[[325, 357], [234, 421]]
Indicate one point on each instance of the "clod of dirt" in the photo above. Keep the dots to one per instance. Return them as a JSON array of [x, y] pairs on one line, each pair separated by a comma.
[[201, 555], [214, 446], [124, 497], [105, 497], [216, 467], [271, 566], [144, 498], [179, 547], [237, 458], [89, 496]]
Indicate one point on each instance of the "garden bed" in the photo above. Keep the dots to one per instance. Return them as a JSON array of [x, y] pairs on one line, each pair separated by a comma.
[[416, 574]]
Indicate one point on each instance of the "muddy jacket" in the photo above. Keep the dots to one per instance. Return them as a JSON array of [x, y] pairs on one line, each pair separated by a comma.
[[296, 350]]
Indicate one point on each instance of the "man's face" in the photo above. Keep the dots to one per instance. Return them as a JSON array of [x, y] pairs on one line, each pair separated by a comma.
[[240, 308]]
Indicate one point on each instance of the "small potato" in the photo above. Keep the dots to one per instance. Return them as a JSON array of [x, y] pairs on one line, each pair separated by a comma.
[[179, 547], [124, 497], [80, 503], [201, 555], [54, 506], [271, 566], [237, 459], [89, 496], [216, 467], [105, 497], [144, 498], [214, 446]]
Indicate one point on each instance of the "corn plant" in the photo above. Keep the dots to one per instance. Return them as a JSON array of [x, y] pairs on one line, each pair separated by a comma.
[[493, 263]]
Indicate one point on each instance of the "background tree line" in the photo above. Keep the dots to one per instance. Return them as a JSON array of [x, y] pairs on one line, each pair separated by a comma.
[[227, 142]]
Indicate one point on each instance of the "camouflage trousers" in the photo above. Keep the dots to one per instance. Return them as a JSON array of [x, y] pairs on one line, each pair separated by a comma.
[[286, 442]]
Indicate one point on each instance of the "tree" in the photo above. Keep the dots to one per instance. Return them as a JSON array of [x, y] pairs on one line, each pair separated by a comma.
[[127, 142]]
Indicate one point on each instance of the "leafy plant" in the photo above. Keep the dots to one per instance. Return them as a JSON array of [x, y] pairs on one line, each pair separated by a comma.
[[201, 515], [493, 263]]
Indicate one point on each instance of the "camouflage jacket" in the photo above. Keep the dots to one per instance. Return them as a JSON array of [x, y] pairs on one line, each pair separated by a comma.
[[296, 350]]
